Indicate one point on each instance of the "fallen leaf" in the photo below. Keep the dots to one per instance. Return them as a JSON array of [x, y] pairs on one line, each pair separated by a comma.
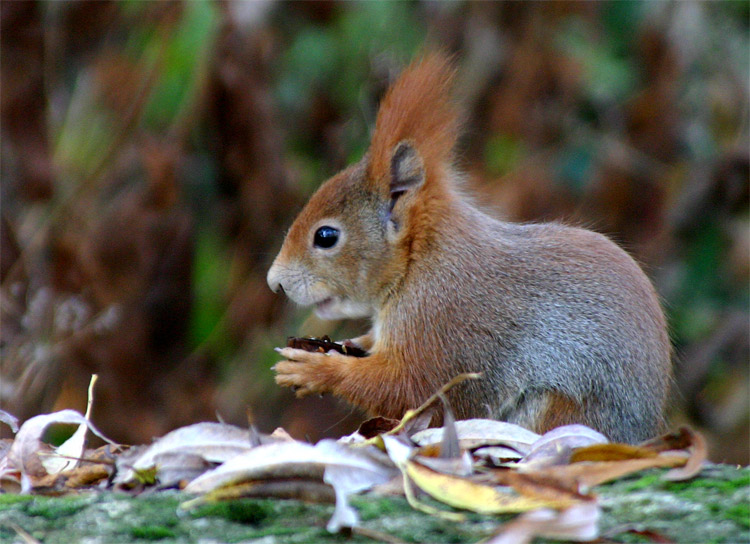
[[348, 478], [474, 433], [268, 461], [347, 469], [173, 468], [214, 442], [588, 474], [449, 446], [611, 452], [24, 454], [295, 488], [456, 466], [698, 454], [465, 494], [548, 486], [578, 523], [461, 492], [556, 446], [677, 440], [497, 455], [280, 434]]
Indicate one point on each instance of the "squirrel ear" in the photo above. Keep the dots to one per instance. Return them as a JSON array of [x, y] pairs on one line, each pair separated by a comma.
[[407, 169]]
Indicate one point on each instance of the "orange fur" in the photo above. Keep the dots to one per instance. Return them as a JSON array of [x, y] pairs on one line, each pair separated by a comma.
[[561, 410], [417, 108]]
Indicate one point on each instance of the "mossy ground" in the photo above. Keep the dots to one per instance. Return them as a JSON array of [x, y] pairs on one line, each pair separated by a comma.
[[712, 508]]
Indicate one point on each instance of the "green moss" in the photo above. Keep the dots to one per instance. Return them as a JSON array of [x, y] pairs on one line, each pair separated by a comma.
[[724, 486], [644, 482], [151, 532], [712, 507], [739, 513], [241, 511], [53, 508], [372, 508], [8, 499]]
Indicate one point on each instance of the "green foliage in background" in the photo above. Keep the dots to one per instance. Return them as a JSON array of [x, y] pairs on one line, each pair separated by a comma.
[[336, 61]]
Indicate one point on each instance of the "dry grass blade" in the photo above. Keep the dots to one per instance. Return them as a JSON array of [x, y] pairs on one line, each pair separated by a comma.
[[426, 405], [9, 420], [377, 535], [25, 536]]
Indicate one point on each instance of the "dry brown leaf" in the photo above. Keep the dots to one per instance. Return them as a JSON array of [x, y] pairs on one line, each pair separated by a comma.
[[589, 474], [698, 454], [680, 439], [548, 485], [611, 452]]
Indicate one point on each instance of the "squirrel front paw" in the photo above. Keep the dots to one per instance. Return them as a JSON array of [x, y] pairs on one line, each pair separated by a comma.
[[308, 372]]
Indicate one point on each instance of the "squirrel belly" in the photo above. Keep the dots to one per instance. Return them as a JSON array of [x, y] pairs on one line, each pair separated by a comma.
[[563, 325]]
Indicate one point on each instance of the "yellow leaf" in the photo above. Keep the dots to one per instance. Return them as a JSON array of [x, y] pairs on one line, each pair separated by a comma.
[[465, 494], [611, 452]]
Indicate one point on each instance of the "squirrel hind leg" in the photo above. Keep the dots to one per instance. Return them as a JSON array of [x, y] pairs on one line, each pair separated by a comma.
[[559, 409]]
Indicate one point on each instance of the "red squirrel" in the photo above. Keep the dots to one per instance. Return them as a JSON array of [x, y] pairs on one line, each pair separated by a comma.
[[562, 324]]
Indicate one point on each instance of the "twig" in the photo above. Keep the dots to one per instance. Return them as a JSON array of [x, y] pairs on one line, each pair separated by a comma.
[[377, 535], [413, 414]]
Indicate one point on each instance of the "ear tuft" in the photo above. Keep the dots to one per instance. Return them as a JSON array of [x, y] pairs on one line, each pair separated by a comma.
[[407, 168], [416, 109]]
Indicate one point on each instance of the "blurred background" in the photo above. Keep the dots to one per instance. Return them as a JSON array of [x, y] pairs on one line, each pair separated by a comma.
[[154, 153]]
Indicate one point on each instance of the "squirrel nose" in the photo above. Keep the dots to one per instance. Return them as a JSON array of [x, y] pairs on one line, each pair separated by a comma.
[[273, 279]]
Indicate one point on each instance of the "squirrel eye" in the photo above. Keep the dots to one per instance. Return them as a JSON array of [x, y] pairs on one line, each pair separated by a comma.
[[326, 237]]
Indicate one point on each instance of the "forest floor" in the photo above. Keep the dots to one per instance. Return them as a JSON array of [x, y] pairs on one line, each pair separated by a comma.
[[714, 507]]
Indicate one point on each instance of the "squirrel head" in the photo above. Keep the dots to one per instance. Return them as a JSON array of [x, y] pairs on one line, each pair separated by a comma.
[[354, 240]]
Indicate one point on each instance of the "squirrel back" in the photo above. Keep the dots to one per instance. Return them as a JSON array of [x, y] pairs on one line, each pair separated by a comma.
[[563, 324]]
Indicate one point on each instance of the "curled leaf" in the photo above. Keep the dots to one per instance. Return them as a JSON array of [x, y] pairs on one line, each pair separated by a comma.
[[556, 446], [68, 454], [24, 453], [698, 454]]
